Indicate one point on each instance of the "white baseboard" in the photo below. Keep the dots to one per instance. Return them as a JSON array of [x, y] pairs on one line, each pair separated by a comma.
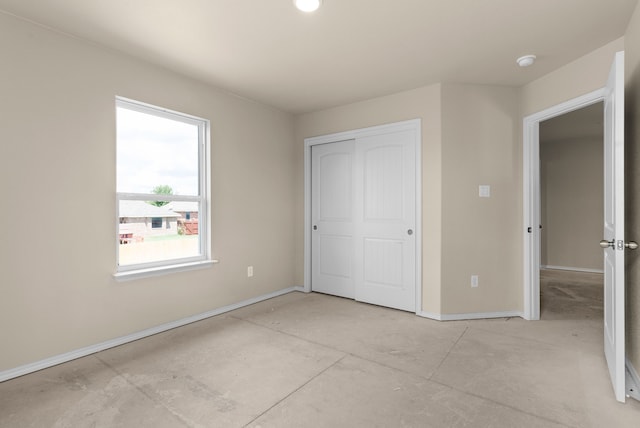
[[633, 381], [470, 316], [83, 352], [301, 288], [575, 269], [430, 315]]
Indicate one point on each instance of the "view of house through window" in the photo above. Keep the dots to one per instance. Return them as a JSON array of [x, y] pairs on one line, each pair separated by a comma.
[[160, 186]]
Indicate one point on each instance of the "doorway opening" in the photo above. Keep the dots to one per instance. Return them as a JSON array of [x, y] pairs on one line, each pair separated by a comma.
[[613, 244], [532, 195], [571, 214]]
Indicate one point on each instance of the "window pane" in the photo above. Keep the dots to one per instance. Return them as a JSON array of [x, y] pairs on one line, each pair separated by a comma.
[[159, 152], [142, 241], [156, 151]]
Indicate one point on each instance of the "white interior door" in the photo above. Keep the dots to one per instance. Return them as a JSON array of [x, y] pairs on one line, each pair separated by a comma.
[[332, 215], [363, 218], [614, 300], [385, 209]]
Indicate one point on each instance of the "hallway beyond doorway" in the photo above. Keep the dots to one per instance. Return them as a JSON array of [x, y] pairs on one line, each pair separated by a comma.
[[571, 295]]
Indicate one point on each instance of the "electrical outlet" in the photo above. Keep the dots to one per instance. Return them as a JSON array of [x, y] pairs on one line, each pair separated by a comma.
[[474, 281], [249, 271]]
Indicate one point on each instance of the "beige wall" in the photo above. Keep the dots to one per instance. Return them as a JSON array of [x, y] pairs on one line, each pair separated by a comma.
[[57, 155], [422, 103], [584, 75], [571, 188], [57, 159], [481, 236], [632, 189], [470, 136]]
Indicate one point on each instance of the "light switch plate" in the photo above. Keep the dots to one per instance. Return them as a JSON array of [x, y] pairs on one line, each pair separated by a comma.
[[484, 191]]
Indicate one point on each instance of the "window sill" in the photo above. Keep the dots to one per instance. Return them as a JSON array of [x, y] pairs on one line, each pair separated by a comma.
[[157, 271]]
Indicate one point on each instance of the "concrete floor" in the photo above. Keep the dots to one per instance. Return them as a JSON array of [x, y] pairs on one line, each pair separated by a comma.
[[311, 360]]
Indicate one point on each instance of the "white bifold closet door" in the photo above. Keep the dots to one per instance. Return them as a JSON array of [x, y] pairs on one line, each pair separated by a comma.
[[363, 219]]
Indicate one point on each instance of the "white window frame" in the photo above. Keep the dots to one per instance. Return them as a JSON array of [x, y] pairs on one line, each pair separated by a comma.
[[203, 198]]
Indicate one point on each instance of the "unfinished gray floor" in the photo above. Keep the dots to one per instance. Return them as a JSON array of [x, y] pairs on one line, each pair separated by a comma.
[[310, 360]]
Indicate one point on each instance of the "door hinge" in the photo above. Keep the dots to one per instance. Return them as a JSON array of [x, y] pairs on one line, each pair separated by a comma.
[[529, 229]]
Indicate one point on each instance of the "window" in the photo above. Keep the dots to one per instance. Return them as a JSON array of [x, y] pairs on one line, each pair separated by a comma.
[[161, 165]]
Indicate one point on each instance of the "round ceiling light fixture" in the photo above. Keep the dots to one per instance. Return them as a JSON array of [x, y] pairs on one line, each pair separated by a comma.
[[307, 5], [526, 61]]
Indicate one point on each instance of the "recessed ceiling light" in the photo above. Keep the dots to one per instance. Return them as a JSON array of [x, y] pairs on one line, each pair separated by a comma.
[[526, 61], [307, 5]]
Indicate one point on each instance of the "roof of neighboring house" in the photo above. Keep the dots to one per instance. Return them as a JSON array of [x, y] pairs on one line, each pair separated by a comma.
[[182, 206], [143, 209]]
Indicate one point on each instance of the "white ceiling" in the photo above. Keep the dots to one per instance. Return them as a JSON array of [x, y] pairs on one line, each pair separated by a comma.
[[349, 50]]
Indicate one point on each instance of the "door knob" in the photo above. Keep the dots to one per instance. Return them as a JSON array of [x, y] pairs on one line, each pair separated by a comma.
[[632, 245], [606, 244]]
